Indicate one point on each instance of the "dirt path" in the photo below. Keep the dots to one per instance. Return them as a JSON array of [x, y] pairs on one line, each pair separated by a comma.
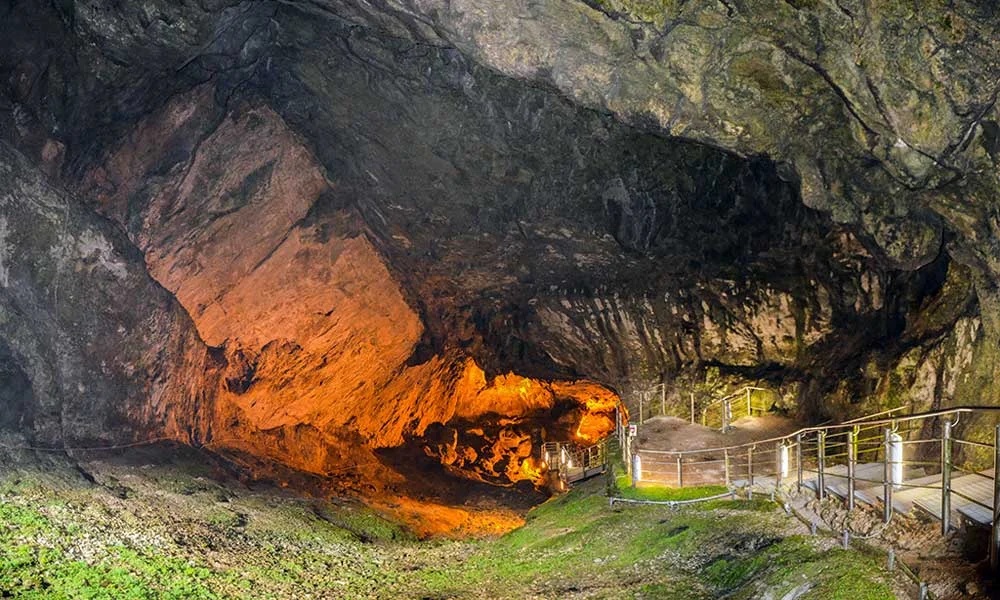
[[673, 434]]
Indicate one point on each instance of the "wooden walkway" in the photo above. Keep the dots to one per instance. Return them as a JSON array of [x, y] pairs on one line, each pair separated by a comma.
[[920, 446], [971, 493]]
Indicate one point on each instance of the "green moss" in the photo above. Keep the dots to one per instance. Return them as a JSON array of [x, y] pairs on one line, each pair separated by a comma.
[[655, 12], [578, 538], [226, 519], [571, 545], [34, 564], [366, 524], [664, 493], [764, 76]]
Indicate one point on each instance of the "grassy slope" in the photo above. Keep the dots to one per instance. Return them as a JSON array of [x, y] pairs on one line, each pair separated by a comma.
[[575, 546], [165, 533]]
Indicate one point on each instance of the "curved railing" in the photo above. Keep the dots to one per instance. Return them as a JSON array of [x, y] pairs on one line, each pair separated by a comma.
[[879, 455], [721, 413], [865, 421], [653, 402]]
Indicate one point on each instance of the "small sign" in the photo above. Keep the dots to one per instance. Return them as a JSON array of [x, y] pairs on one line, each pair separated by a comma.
[[633, 429]]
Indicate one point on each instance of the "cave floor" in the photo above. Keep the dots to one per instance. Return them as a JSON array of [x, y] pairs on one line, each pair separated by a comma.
[[134, 527]]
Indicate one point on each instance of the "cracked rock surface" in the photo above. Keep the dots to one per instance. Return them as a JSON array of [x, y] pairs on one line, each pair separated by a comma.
[[379, 225]]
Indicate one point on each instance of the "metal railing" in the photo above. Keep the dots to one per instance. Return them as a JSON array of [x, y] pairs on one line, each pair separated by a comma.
[[654, 402], [897, 453], [721, 413], [573, 462]]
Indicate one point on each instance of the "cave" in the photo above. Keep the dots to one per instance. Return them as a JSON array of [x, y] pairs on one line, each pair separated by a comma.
[[391, 252]]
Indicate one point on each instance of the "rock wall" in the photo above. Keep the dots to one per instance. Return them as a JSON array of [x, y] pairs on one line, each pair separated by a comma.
[[374, 214], [276, 267], [93, 350]]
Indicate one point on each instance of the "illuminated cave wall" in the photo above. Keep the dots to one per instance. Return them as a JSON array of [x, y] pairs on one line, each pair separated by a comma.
[[276, 268]]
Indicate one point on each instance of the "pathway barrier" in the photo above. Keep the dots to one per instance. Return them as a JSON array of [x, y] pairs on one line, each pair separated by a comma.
[[573, 462], [719, 414], [933, 461]]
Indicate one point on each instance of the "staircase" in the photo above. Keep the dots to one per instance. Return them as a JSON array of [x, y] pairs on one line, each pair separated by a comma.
[[971, 494]]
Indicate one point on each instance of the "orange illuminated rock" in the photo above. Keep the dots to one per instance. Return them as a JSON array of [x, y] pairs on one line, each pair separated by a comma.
[[279, 273]]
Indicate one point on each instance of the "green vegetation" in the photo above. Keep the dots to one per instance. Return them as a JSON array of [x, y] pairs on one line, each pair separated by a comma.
[[34, 563], [172, 538], [655, 12], [663, 493], [577, 544], [803, 4]]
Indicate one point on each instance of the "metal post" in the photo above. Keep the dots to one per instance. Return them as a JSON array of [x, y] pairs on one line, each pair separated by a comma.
[[857, 438], [680, 471], [798, 462], [852, 459], [946, 478], [692, 408], [627, 454], [820, 464], [636, 469], [725, 457], [642, 396], [749, 407], [887, 480], [780, 463], [663, 399], [727, 414], [750, 466], [995, 531]]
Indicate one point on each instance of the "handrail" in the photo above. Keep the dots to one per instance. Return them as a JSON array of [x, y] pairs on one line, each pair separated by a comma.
[[613, 499], [815, 428], [865, 418], [741, 391], [726, 402]]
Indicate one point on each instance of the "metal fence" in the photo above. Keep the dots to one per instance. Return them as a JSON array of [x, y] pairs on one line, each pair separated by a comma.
[[573, 462], [884, 455], [719, 413]]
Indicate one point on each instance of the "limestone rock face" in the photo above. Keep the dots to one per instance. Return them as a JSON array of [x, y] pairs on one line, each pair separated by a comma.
[[448, 226], [874, 105], [277, 269], [92, 348]]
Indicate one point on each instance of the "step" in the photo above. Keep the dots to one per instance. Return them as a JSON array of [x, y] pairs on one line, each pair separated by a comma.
[[977, 495], [977, 514], [868, 487], [864, 475], [902, 497], [579, 474]]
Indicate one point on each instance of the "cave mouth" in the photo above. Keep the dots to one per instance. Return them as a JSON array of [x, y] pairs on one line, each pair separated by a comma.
[[328, 249]]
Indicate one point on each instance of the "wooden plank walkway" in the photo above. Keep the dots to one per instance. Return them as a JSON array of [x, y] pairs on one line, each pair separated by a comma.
[[972, 494], [971, 498], [904, 495], [835, 479], [976, 497]]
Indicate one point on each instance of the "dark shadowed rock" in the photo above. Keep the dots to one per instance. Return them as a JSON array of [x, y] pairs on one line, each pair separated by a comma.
[[93, 348], [371, 211]]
